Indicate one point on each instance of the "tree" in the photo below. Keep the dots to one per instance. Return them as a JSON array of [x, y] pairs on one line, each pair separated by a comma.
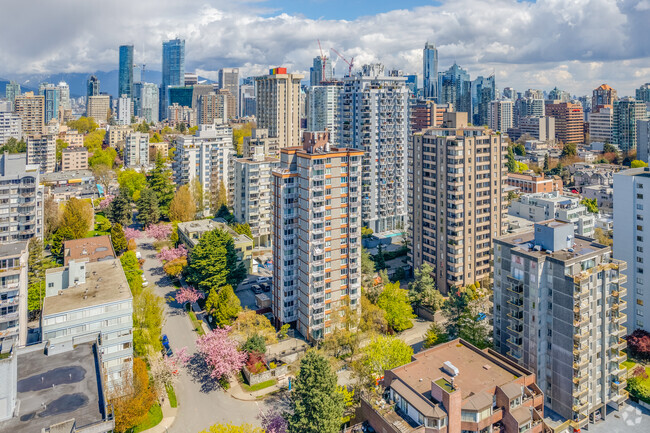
[[225, 213], [132, 401], [546, 163], [182, 207], [366, 232], [131, 181], [609, 148], [473, 329], [373, 318], [117, 238], [104, 175], [35, 275], [382, 353], [14, 146], [132, 271], [220, 196], [83, 124], [380, 259], [119, 211], [148, 212], [602, 237], [637, 163], [422, 291], [158, 231], [519, 149], [243, 229], [220, 353], [456, 303], [160, 180], [238, 134], [132, 234], [249, 323], [367, 267], [51, 215], [147, 321], [639, 344], [316, 406], [60, 145], [569, 149], [197, 195], [77, 217], [435, 335], [168, 254], [511, 163], [213, 261], [255, 343], [175, 267], [273, 422], [56, 244], [231, 428], [103, 157], [223, 305], [188, 295], [164, 370], [395, 302], [591, 204]]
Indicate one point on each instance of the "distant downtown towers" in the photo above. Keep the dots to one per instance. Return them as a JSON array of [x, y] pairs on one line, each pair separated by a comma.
[[125, 83], [173, 71]]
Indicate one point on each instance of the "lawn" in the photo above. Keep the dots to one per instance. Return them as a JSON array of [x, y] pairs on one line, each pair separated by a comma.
[[155, 416], [259, 386], [628, 364], [171, 394], [196, 323]]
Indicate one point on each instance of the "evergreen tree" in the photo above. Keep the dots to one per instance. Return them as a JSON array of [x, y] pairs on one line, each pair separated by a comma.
[[214, 262], [511, 163], [435, 335], [380, 260], [35, 275], [223, 305], [473, 330], [160, 181], [220, 196], [119, 211], [118, 239], [197, 194], [546, 163], [148, 211], [56, 245], [316, 405]]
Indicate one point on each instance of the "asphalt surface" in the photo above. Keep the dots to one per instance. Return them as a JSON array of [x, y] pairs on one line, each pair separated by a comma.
[[202, 402], [631, 418]]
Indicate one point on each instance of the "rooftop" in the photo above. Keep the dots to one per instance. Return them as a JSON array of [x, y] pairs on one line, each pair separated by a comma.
[[14, 166], [479, 371], [199, 227], [94, 249], [105, 282], [12, 249], [56, 388], [74, 149], [59, 176]]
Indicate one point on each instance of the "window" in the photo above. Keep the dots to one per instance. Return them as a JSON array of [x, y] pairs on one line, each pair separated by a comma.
[[639, 302]]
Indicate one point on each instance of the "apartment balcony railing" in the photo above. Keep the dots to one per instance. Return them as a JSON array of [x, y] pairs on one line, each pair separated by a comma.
[[579, 379], [9, 317]]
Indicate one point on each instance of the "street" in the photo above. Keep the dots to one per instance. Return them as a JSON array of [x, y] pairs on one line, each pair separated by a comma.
[[201, 401]]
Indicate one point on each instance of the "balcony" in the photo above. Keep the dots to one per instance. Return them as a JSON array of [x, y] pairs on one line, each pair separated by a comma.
[[516, 288], [579, 391], [515, 329], [515, 341], [580, 379], [619, 385], [581, 406], [517, 304], [9, 317], [581, 336]]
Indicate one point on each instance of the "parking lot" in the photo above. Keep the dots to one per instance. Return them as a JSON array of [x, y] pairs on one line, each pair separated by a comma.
[[631, 418], [246, 294]]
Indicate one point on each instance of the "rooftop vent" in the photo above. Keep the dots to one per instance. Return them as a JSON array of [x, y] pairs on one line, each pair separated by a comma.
[[450, 369]]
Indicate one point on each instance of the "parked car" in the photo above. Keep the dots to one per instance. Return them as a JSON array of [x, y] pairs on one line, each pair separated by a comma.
[[266, 287], [264, 280], [257, 289], [167, 350], [138, 255], [145, 283]]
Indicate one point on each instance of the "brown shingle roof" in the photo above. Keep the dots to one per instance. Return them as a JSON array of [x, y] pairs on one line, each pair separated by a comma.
[[94, 249]]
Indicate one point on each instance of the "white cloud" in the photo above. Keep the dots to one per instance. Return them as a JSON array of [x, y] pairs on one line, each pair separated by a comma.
[[574, 44]]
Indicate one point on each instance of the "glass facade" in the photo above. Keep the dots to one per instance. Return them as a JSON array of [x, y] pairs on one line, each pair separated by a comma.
[[125, 85]]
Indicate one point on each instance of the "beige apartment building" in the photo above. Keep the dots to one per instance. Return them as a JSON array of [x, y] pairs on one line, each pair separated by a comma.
[[456, 175], [278, 105], [99, 108], [260, 138], [72, 137], [117, 135], [74, 158], [316, 235], [31, 109]]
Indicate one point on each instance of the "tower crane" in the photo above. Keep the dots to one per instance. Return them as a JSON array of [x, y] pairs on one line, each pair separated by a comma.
[[323, 60], [349, 63]]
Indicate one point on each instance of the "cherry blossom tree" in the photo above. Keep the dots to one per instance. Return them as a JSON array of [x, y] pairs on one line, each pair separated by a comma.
[[220, 353], [164, 370], [105, 202], [273, 422], [130, 233], [188, 294], [159, 231], [168, 254]]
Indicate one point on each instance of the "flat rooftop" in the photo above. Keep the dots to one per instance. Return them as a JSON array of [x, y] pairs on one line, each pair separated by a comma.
[[94, 249], [478, 371], [105, 283], [59, 176], [524, 241], [13, 249], [56, 388], [206, 225]]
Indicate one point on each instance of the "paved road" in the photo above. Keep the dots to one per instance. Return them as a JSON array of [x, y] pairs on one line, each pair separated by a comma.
[[201, 402]]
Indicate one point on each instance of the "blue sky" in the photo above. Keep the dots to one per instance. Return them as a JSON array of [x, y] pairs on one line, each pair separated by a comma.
[[342, 9]]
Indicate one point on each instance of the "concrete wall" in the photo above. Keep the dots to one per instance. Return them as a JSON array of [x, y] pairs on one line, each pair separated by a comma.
[[254, 379], [8, 383]]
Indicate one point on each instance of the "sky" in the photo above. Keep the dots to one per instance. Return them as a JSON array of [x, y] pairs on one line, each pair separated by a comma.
[[575, 45]]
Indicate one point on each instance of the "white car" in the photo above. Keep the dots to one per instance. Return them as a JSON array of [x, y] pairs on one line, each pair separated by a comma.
[[264, 280], [138, 255], [145, 283]]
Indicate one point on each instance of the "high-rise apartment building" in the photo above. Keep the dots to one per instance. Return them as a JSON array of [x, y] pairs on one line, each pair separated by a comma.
[[209, 157], [259, 138], [125, 79], [373, 110], [253, 201], [145, 101], [642, 139], [322, 109], [528, 107], [210, 107], [11, 126], [12, 89], [316, 235], [31, 109], [173, 71], [430, 71], [13, 292], [64, 96], [558, 95], [136, 149], [540, 128], [569, 123], [51, 97], [631, 212], [603, 95], [229, 80], [247, 100], [92, 87], [456, 201], [124, 112], [626, 113], [455, 87], [21, 199], [600, 124], [483, 92], [500, 115], [278, 105], [177, 114], [643, 93], [99, 108], [41, 150], [510, 93], [320, 71], [558, 302]]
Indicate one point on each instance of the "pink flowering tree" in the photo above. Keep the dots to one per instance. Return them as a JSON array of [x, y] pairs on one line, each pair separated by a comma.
[[164, 370], [220, 353], [158, 231], [168, 254], [130, 233], [273, 422], [188, 294], [105, 202]]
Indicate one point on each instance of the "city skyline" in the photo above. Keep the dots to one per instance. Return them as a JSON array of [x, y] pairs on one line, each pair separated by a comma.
[[523, 43]]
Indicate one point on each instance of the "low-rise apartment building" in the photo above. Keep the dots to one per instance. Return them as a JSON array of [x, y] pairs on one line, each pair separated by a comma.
[[532, 183], [455, 387], [74, 158], [136, 149], [94, 249], [41, 150], [11, 126]]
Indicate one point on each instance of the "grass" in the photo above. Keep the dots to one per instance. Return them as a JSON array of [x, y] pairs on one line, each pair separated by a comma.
[[259, 386], [171, 395], [155, 415], [628, 364], [197, 325]]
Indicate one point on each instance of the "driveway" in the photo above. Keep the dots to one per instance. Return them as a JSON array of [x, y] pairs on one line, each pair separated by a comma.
[[201, 401], [631, 418]]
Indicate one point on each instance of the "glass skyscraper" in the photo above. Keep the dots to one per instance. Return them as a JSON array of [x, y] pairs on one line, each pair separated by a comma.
[[92, 86], [455, 87], [173, 71], [52, 97], [430, 71], [125, 84]]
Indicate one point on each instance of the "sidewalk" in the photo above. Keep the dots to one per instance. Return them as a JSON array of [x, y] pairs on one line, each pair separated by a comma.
[[237, 392], [169, 416]]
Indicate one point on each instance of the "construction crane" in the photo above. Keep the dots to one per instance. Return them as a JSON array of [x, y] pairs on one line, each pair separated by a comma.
[[323, 60], [350, 63]]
